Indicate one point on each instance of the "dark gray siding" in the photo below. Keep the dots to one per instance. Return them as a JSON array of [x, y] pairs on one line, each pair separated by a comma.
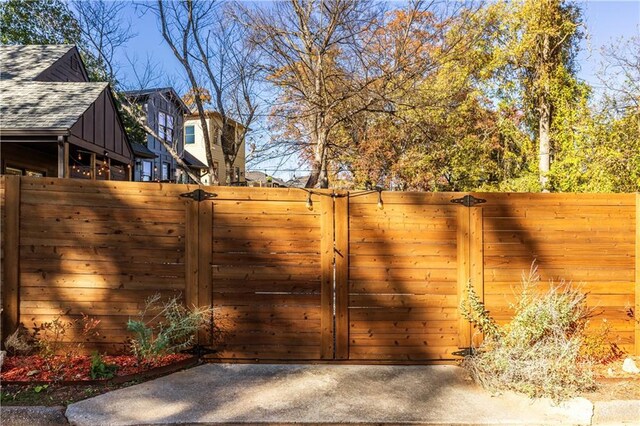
[[101, 126], [67, 68], [156, 103]]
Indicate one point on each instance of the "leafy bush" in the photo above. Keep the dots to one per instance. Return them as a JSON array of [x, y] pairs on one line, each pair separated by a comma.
[[174, 330], [100, 370], [539, 352]]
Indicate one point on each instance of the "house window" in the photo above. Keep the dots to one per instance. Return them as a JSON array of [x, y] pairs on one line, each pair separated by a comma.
[[215, 171], [165, 126], [237, 178], [165, 171], [147, 171], [169, 129], [189, 135]]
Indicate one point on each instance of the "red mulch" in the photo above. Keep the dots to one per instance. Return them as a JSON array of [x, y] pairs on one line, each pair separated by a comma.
[[36, 368]]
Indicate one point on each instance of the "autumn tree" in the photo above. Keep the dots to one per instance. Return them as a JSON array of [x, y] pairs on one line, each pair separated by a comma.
[[443, 133], [538, 51], [329, 61]]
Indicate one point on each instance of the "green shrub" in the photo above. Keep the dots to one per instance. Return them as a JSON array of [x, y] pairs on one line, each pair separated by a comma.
[[171, 328], [539, 352], [101, 370]]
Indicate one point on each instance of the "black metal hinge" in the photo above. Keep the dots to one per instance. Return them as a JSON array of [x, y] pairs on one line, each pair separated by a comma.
[[199, 351], [464, 352], [468, 201], [199, 195]]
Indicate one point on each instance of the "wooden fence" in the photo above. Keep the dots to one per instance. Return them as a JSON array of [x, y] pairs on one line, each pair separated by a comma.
[[333, 275]]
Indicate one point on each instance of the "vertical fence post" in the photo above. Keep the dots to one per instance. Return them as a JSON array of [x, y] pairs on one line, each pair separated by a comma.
[[11, 264], [464, 272], [637, 287], [326, 289], [205, 247], [476, 257], [191, 253], [341, 221]]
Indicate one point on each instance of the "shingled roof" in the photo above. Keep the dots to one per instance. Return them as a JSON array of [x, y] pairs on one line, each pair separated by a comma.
[[45, 105], [27, 104], [26, 62]]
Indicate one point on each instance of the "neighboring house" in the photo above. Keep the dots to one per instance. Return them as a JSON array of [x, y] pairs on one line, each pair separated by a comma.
[[164, 111], [194, 144], [298, 182], [54, 122], [256, 178]]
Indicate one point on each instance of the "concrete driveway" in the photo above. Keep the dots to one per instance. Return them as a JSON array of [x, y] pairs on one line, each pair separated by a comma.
[[223, 393]]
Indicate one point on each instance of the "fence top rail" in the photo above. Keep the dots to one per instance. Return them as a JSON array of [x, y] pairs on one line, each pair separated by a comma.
[[302, 194]]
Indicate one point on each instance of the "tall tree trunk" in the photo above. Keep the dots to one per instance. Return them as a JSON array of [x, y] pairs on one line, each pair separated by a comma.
[[319, 177], [545, 143], [544, 125], [228, 165]]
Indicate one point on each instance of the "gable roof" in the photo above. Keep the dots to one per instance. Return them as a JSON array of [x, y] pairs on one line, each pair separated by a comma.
[[30, 105], [26, 62], [173, 95]]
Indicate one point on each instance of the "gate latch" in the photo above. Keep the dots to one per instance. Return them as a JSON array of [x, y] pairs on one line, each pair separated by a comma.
[[199, 195], [468, 201]]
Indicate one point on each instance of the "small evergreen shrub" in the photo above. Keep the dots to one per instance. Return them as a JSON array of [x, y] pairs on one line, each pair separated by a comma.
[[539, 352], [166, 327]]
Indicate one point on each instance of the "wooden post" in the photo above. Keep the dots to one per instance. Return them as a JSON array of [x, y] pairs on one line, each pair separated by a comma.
[[476, 257], [464, 272], [11, 265], [66, 160], [341, 230], [205, 247], [637, 289], [93, 166], [62, 157], [326, 261], [129, 172], [191, 253]]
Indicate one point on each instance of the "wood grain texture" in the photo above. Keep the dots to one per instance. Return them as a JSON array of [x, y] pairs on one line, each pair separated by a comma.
[[345, 280]]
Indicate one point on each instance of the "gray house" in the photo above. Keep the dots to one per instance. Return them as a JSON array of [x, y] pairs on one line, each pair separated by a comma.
[[164, 111]]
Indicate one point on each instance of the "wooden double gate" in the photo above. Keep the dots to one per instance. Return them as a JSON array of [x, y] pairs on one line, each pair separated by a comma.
[[307, 276]]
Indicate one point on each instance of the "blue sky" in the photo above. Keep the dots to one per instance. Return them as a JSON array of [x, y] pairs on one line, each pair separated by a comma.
[[605, 22]]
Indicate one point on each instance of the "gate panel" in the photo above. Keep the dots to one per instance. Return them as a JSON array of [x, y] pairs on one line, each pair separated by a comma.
[[588, 239], [403, 277], [266, 274]]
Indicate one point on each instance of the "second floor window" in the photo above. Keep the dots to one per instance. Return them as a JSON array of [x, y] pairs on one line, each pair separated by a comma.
[[189, 135], [165, 126]]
